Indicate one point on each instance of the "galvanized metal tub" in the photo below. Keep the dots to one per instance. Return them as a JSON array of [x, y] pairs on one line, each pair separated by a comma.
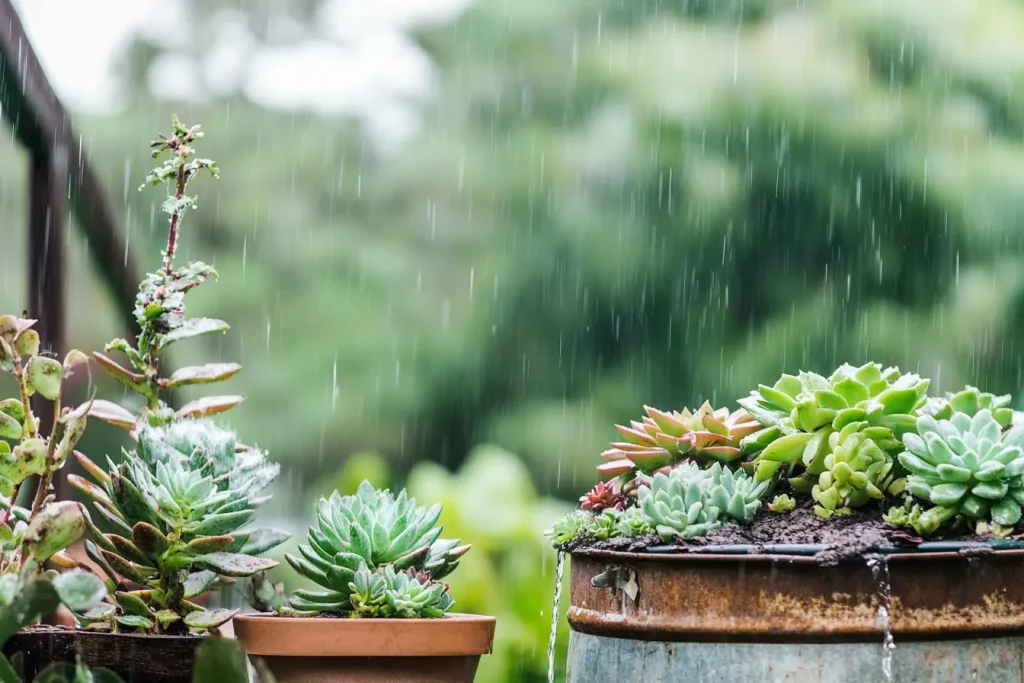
[[731, 618]]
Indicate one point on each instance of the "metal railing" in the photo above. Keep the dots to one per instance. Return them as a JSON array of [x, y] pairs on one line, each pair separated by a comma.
[[61, 183]]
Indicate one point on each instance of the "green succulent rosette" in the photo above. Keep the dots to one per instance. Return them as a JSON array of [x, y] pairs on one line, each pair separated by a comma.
[[964, 466], [837, 435]]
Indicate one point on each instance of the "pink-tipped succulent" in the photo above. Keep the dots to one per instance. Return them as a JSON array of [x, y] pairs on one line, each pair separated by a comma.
[[662, 439], [604, 497]]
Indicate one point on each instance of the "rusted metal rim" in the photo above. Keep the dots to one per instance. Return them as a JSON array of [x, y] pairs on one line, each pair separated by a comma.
[[790, 598]]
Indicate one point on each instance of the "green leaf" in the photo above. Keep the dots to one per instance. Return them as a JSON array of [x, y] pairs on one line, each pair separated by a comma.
[[210, 405], [210, 544], [218, 525], [45, 376], [201, 374], [220, 660], [135, 621], [112, 414], [54, 528], [149, 539], [788, 448], [234, 564], [205, 619], [79, 591], [198, 582], [260, 541], [133, 604], [36, 599], [9, 427], [946, 495], [192, 328], [898, 400], [132, 380]]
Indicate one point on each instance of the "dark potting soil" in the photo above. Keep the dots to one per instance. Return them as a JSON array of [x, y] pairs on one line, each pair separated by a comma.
[[855, 534]]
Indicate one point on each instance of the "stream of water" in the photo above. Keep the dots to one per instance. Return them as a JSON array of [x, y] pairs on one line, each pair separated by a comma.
[[880, 571], [553, 637]]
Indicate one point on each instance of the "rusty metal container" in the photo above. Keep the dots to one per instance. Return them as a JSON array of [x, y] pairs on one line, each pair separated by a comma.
[[730, 618]]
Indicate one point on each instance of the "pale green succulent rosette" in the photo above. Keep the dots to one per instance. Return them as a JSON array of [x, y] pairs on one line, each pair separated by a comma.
[[964, 466]]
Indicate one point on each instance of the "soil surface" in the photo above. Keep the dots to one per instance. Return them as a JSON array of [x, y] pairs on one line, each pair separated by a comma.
[[844, 536]]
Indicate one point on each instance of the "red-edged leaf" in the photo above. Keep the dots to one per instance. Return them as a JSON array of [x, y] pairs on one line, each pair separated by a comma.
[[211, 405], [112, 413], [201, 374]]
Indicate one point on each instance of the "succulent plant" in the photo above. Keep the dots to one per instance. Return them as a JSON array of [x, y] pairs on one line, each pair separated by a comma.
[[177, 505], [964, 466], [689, 501], [398, 594], [31, 537], [572, 526], [630, 523], [662, 438], [806, 418], [969, 401], [160, 306], [372, 528], [856, 470], [603, 497], [782, 504]]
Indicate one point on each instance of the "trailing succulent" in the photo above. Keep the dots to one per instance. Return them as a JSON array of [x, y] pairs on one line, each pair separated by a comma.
[[662, 439], [177, 504], [964, 467], [375, 554], [837, 436]]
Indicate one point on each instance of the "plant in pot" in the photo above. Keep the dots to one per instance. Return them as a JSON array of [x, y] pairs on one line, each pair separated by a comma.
[[177, 507], [802, 533], [38, 536], [25, 601], [383, 613]]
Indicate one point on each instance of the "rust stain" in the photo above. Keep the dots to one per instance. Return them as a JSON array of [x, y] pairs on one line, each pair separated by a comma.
[[781, 599]]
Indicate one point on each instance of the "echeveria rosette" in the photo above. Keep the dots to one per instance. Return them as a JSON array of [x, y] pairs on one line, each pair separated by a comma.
[[689, 501], [373, 529], [662, 439], [177, 505], [802, 415], [403, 594], [964, 466], [969, 401], [858, 469]]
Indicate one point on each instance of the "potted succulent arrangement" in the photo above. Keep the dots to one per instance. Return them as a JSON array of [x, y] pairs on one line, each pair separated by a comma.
[[847, 524], [177, 507], [383, 613]]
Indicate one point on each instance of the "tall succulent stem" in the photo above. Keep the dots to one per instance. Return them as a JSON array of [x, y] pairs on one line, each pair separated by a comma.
[[172, 233]]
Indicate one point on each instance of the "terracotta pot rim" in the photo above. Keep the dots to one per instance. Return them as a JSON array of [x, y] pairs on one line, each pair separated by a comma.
[[455, 635], [773, 557]]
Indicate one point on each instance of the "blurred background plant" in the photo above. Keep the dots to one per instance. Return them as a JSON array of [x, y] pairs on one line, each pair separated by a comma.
[[472, 222]]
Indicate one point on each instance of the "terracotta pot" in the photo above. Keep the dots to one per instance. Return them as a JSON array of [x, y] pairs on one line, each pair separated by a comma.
[[717, 618], [330, 650], [136, 658]]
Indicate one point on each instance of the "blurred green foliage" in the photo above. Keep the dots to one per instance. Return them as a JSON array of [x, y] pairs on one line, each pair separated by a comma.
[[609, 204]]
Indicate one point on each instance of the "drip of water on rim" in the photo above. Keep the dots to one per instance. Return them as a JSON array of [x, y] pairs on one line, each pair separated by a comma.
[[880, 571], [553, 637]]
